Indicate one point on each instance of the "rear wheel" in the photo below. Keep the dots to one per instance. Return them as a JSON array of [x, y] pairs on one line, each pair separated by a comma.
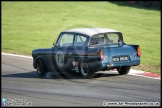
[[85, 70], [41, 68], [123, 70]]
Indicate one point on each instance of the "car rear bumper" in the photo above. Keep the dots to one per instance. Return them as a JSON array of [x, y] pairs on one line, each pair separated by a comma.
[[114, 65], [100, 66]]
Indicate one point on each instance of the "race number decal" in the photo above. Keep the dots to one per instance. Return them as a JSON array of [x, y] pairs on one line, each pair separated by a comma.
[[59, 58]]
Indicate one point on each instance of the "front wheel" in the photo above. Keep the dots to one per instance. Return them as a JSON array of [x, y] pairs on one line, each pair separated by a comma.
[[123, 70], [85, 70], [41, 68]]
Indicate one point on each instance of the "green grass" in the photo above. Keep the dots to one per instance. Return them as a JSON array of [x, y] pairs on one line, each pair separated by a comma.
[[30, 25]]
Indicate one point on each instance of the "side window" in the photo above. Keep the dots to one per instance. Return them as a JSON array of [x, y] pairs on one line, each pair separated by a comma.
[[66, 39], [79, 40]]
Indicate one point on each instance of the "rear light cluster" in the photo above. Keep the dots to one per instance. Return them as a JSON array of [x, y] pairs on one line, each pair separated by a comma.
[[101, 55], [138, 51]]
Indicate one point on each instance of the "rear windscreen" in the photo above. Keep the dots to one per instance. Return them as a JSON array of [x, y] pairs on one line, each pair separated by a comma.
[[107, 38]]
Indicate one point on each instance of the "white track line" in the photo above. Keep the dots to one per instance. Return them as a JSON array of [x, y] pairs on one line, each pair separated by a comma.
[[17, 55], [132, 71]]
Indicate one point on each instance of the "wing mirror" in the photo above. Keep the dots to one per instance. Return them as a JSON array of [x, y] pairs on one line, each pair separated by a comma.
[[57, 45]]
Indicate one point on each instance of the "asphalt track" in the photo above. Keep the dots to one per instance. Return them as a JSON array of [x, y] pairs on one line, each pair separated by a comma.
[[19, 81]]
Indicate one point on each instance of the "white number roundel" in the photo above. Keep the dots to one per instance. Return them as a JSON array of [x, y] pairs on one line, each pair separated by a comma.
[[59, 58]]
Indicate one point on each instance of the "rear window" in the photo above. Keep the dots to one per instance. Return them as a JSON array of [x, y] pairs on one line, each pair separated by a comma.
[[114, 38], [107, 38]]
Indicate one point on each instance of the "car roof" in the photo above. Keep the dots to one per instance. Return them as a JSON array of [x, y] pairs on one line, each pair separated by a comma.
[[90, 31]]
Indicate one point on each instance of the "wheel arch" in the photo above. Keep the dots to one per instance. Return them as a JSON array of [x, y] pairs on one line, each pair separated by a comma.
[[43, 59]]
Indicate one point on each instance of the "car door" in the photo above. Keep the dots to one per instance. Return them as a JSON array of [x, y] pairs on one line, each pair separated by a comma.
[[62, 50], [79, 50]]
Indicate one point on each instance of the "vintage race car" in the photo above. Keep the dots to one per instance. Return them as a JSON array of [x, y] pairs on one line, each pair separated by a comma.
[[85, 51]]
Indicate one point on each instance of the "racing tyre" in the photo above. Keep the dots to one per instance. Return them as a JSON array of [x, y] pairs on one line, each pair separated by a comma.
[[85, 70], [123, 70], [41, 68]]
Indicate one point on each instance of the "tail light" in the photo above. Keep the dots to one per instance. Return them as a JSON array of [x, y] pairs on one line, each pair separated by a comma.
[[138, 51], [101, 55]]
